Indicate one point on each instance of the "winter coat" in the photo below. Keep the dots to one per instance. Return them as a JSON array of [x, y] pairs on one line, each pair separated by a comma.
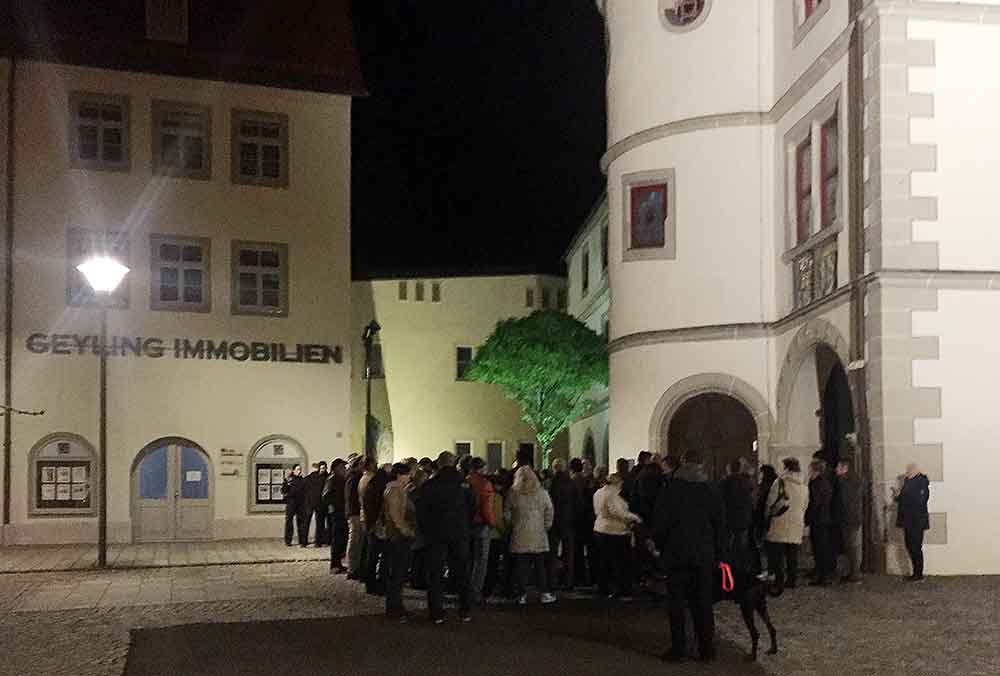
[[314, 489], [482, 489], [612, 513], [737, 496], [911, 504], [445, 507], [372, 498], [848, 511], [789, 527], [333, 495], [352, 498], [293, 490], [691, 520], [530, 516], [647, 488], [399, 514], [585, 489], [819, 512], [565, 502]]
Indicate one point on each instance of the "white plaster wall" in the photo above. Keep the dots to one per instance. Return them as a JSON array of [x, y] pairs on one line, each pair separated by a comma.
[[791, 60], [966, 109], [968, 428], [597, 425], [215, 404]]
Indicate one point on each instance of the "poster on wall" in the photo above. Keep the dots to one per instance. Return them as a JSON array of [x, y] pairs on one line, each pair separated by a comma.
[[276, 493], [63, 476], [62, 492], [263, 476], [277, 476], [263, 493], [48, 475], [48, 492], [80, 475], [79, 492]]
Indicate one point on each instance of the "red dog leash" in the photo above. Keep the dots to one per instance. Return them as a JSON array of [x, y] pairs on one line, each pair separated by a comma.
[[727, 577]]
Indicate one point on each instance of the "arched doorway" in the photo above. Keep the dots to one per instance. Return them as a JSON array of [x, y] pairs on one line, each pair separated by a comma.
[[717, 426], [172, 492], [836, 413]]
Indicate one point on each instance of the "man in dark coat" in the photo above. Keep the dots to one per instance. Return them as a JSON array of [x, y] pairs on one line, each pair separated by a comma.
[[293, 490], [565, 505], [848, 513], [819, 516], [372, 503], [912, 516], [691, 524], [737, 496], [582, 475], [445, 509], [357, 533], [313, 500], [335, 503]]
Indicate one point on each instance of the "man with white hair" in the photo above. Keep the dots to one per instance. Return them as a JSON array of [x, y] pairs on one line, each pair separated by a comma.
[[913, 518]]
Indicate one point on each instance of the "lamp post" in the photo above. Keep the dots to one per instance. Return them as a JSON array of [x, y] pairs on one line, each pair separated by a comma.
[[368, 337], [104, 274]]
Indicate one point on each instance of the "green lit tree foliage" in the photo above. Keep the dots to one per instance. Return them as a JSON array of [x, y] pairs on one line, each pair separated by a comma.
[[548, 362]]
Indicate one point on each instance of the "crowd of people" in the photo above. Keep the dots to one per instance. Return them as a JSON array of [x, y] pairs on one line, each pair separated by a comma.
[[449, 526]]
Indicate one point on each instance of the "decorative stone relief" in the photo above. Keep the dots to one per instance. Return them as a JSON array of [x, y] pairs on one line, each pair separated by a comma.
[[683, 15]]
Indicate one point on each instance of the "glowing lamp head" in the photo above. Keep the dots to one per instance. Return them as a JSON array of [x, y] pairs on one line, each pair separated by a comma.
[[103, 274]]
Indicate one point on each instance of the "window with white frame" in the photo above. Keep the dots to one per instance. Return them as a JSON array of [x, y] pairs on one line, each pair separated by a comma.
[[167, 20], [436, 292], [62, 476], [463, 357], [82, 244], [182, 139], [260, 278], [463, 448], [180, 276], [546, 299], [418, 291], [260, 148], [271, 459], [529, 298], [402, 290], [99, 131]]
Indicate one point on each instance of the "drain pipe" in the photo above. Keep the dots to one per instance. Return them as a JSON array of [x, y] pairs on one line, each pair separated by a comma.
[[8, 347]]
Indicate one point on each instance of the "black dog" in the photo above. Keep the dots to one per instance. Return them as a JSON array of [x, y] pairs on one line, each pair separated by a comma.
[[751, 595]]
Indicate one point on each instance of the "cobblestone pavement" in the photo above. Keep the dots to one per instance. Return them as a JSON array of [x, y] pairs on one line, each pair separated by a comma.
[[79, 623]]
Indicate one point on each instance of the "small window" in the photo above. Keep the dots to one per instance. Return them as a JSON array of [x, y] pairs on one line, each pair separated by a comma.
[[436, 292], [377, 368], [402, 290], [260, 279], [561, 299], [82, 244], [180, 276], [463, 357], [167, 20], [604, 248], [585, 272], [546, 299], [807, 14], [99, 132], [803, 190], [529, 298], [606, 328], [494, 455], [649, 215], [830, 164], [418, 292], [62, 477], [260, 148], [809, 7], [463, 448], [649, 225], [271, 459], [182, 143]]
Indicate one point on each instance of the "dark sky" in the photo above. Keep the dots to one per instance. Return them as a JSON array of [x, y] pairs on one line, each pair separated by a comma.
[[478, 147]]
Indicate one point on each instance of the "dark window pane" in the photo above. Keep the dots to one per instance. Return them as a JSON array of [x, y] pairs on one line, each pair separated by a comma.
[[649, 216], [89, 111], [168, 293], [269, 259], [270, 130], [111, 113], [249, 257], [168, 276], [192, 294], [270, 165], [170, 252], [270, 281], [112, 136], [192, 254], [248, 297], [88, 142], [248, 281], [270, 298], [192, 278], [248, 159], [194, 153], [249, 128], [153, 475], [112, 153], [169, 150]]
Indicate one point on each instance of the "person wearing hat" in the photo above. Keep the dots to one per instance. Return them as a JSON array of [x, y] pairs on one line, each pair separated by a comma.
[[483, 520]]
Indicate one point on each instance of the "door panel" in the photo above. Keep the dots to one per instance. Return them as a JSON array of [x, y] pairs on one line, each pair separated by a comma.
[[172, 495], [194, 505], [153, 511]]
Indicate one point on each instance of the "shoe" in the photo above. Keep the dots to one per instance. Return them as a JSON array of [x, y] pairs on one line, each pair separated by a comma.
[[671, 656], [522, 600], [288, 544], [915, 578], [548, 598], [848, 579], [438, 620], [464, 618], [338, 570]]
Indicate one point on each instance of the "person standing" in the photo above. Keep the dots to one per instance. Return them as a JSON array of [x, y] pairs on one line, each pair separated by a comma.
[[399, 522], [737, 496], [848, 514], [483, 522], [819, 518], [585, 560], [293, 491], [335, 503], [562, 534], [611, 531], [530, 513], [693, 527], [912, 516], [786, 504], [761, 522], [357, 533], [445, 507], [313, 500], [371, 511]]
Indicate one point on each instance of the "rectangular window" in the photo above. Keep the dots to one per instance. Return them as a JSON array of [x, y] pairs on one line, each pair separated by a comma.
[[167, 20], [606, 328], [82, 244], [649, 215], [418, 291], [63, 484], [180, 276], [585, 272], [494, 455], [830, 163], [811, 6], [377, 368], [604, 248], [546, 299], [436, 292], [402, 290], [463, 357], [561, 299], [803, 191], [649, 227], [260, 278], [99, 131], [260, 148], [269, 477], [182, 144], [463, 448], [529, 298]]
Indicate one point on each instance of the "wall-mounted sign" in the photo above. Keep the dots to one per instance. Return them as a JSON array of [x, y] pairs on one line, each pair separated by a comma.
[[185, 348]]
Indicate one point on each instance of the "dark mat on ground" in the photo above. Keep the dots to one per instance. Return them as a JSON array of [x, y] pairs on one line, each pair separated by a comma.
[[583, 638]]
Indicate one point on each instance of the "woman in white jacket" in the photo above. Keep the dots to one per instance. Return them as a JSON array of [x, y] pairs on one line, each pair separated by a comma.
[[529, 512], [613, 537], [786, 505]]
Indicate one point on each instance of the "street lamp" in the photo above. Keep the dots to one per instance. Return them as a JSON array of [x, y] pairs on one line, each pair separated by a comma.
[[104, 274], [368, 337]]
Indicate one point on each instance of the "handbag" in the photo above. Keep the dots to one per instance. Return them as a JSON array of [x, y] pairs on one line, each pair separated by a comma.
[[780, 505]]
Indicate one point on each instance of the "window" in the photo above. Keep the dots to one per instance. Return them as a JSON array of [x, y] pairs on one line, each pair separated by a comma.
[[561, 299], [180, 277], [436, 292], [494, 455], [182, 140], [377, 369], [830, 164], [606, 328], [167, 20], [260, 278], [270, 460], [810, 6], [81, 244], [546, 299], [402, 290], [807, 14], [604, 248], [585, 272], [649, 225], [418, 291], [62, 476], [463, 357], [260, 148], [99, 133], [463, 448], [803, 191], [529, 298]]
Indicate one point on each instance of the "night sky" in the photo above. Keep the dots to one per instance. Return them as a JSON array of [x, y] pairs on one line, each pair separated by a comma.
[[478, 146]]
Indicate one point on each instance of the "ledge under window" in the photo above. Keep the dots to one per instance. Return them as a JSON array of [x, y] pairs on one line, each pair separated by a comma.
[[814, 240]]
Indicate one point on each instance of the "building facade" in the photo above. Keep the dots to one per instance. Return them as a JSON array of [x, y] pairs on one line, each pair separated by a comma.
[[219, 174], [801, 248], [430, 330], [589, 296]]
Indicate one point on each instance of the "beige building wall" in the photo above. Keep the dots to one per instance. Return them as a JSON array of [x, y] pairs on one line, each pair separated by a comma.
[[215, 404], [429, 408]]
